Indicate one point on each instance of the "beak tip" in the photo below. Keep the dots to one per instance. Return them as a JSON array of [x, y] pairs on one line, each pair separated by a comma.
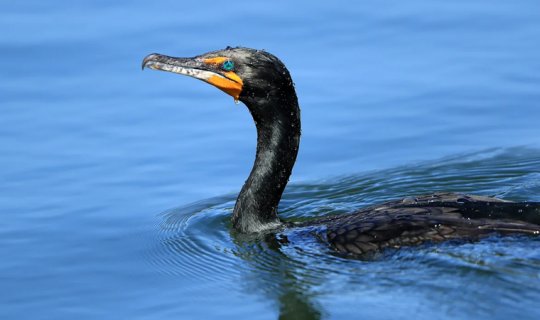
[[149, 58]]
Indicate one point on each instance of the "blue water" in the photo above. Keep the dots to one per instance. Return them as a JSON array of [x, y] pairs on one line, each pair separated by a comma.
[[116, 185]]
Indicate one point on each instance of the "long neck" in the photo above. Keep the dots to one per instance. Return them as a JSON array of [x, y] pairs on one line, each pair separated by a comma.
[[278, 139]]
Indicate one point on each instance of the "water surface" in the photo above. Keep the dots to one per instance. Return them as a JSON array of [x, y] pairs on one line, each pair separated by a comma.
[[116, 184]]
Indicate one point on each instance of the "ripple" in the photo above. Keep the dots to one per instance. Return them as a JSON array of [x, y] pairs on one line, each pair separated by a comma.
[[196, 240]]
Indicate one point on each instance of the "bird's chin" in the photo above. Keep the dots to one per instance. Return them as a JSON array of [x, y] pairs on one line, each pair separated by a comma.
[[230, 87]]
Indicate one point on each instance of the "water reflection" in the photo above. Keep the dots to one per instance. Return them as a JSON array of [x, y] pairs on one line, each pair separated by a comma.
[[292, 272], [277, 276]]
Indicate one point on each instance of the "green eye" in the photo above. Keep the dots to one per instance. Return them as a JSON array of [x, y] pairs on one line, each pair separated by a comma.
[[228, 65]]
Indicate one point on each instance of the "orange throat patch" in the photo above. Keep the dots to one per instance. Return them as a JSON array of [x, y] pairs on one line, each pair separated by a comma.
[[229, 82]]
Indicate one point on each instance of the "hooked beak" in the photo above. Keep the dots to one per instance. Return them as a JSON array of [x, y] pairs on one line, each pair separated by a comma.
[[206, 70]]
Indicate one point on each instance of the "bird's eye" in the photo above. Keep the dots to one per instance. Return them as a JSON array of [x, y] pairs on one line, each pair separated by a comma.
[[228, 65]]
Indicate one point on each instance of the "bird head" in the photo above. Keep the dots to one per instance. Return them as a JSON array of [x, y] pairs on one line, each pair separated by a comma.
[[248, 75]]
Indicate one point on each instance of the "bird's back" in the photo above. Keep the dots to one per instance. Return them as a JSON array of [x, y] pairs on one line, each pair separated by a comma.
[[429, 218]]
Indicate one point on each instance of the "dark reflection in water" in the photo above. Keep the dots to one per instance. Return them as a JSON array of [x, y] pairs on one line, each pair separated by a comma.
[[298, 276], [294, 295], [91, 148]]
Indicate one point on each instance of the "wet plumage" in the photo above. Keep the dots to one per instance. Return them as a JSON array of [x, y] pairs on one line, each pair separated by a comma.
[[263, 83], [429, 218]]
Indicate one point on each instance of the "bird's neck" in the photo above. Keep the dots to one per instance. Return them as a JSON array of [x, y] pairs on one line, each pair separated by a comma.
[[278, 139]]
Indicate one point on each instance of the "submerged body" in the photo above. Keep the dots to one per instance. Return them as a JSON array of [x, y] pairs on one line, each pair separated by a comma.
[[429, 218], [264, 85]]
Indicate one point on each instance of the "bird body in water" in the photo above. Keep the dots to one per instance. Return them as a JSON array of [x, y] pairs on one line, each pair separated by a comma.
[[263, 83]]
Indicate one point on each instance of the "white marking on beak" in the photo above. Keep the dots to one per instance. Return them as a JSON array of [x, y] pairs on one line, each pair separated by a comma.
[[195, 73]]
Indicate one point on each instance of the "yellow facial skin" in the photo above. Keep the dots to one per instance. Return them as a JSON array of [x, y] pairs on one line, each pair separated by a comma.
[[230, 83], [216, 60]]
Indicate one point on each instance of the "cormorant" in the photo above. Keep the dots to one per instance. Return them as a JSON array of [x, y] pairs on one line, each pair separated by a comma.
[[263, 83]]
